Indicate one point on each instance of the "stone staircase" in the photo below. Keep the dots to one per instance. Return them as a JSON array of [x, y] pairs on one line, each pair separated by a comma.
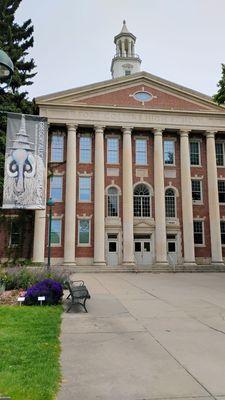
[[150, 269]]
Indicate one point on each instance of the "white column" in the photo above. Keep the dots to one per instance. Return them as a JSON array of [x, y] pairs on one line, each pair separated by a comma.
[[99, 198], [128, 235], [39, 236], [129, 48], [70, 201], [187, 208], [214, 210], [160, 216], [123, 48]]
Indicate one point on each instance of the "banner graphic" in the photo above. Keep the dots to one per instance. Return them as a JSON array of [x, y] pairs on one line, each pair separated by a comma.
[[25, 162]]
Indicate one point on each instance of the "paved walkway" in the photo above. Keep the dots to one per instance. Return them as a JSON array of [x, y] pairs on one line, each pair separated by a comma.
[[146, 336]]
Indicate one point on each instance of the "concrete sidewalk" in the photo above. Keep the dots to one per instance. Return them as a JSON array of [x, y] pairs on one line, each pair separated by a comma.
[[146, 336]]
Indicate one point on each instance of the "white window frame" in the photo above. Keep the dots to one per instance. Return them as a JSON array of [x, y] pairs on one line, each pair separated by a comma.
[[84, 244], [89, 200], [80, 140], [197, 202], [56, 176], [199, 152], [223, 146], [116, 151], [60, 243], [219, 180], [55, 134], [175, 204], [118, 205], [146, 151], [203, 232], [174, 152]]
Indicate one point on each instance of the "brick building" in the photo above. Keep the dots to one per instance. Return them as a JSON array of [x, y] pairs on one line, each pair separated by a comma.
[[138, 171]]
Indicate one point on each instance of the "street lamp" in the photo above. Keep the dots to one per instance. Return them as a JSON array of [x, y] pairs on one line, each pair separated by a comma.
[[50, 203], [6, 68]]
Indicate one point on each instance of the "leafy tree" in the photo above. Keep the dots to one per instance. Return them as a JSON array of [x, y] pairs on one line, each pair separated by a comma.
[[219, 97], [15, 40]]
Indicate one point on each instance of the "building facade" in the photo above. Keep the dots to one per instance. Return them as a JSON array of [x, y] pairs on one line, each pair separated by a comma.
[[136, 170]]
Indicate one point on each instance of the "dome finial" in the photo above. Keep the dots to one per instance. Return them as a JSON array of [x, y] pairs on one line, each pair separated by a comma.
[[124, 22]]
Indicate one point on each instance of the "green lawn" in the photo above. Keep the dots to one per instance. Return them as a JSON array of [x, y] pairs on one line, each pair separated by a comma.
[[29, 352]]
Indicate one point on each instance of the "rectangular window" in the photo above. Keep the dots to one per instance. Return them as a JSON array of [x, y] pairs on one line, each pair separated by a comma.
[[196, 190], [169, 152], [15, 234], [222, 230], [56, 188], [141, 151], [57, 148], [112, 150], [195, 153], [85, 149], [84, 231], [84, 188], [198, 232], [56, 231], [219, 154], [221, 191]]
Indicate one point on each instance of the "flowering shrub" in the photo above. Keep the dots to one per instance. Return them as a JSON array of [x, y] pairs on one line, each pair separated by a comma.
[[52, 290]]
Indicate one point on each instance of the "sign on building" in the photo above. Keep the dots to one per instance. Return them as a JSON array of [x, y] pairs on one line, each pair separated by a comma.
[[25, 162]]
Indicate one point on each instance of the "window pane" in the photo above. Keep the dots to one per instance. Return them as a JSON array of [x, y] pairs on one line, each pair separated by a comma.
[[56, 188], [84, 233], [219, 154], [112, 150], [169, 152], [85, 149], [85, 188], [112, 202], [194, 153], [142, 201], [170, 203], [141, 151], [221, 191], [137, 246], [222, 229], [56, 231], [198, 232], [57, 148], [15, 233], [196, 190], [171, 247], [112, 247]]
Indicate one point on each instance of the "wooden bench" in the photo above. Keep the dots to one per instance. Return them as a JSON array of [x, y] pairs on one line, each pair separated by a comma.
[[78, 293]]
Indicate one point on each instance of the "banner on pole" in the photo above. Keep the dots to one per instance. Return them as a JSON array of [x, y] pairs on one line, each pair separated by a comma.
[[25, 162]]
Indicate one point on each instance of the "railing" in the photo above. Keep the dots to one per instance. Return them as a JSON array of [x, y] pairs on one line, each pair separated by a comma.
[[126, 56]]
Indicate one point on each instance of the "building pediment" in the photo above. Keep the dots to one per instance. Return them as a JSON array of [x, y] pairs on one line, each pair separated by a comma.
[[121, 93]]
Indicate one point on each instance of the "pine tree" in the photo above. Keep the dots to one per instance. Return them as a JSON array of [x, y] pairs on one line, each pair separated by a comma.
[[15, 40], [219, 97]]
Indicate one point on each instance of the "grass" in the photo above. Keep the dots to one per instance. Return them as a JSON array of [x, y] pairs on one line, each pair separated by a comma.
[[29, 352]]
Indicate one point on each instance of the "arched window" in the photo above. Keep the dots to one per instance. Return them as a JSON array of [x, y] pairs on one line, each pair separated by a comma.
[[170, 203], [141, 201], [113, 204]]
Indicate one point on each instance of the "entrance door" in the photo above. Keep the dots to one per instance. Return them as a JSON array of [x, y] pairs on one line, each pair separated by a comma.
[[172, 249], [113, 258], [142, 249]]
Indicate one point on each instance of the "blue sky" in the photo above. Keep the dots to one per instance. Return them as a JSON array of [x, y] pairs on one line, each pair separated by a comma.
[[179, 40]]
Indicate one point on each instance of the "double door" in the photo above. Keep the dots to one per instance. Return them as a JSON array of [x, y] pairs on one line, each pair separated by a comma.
[[143, 249]]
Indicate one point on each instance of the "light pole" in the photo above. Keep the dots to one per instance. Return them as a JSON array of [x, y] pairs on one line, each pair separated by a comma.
[[50, 203], [6, 68]]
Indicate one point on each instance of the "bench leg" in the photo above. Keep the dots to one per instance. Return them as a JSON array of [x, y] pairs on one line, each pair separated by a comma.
[[85, 305], [68, 309]]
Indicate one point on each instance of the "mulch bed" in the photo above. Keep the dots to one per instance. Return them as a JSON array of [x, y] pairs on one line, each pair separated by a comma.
[[9, 297]]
